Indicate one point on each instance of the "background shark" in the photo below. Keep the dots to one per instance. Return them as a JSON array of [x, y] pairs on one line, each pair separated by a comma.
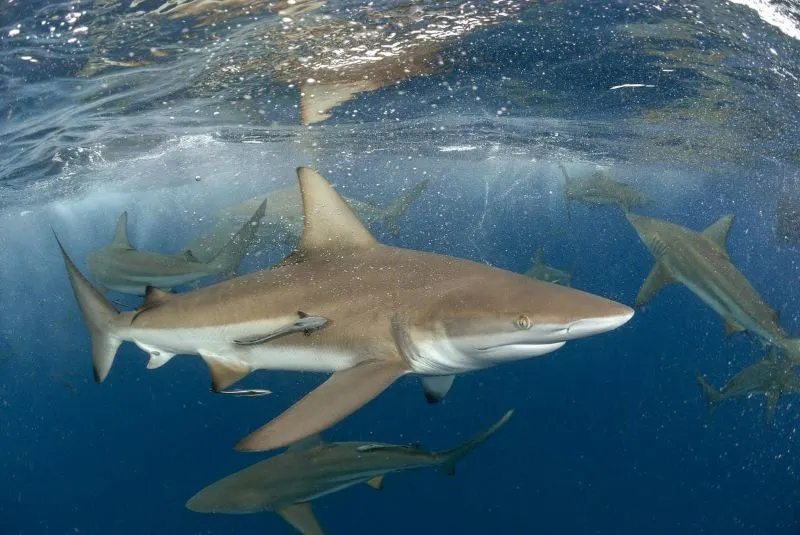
[[771, 376], [287, 483], [389, 312], [123, 268], [699, 261], [284, 223], [601, 188], [541, 271]]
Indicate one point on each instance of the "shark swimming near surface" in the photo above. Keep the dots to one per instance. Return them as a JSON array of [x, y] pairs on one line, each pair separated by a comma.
[[287, 483], [283, 224], [388, 312], [771, 376], [700, 261], [601, 188], [123, 268], [541, 271]]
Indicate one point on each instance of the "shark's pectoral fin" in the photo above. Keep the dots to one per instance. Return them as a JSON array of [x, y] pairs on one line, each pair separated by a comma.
[[436, 387], [731, 327], [718, 232], [376, 482], [224, 373], [301, 517], [657, 279], [341, 395]]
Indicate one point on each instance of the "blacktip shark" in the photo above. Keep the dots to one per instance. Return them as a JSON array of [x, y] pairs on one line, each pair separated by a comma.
[[541, 271], [699, 261], [389, 312], [283, 225], [287, 483], [771, 376], [601, 188], [123, 268]]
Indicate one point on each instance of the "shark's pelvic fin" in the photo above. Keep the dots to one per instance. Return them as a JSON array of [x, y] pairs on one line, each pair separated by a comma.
[[224, 373], [731, 327], [436, 387], [718, 231], [341, 395], [301, 517], [657, 279], [120, 240], [451, 457], [376, 482], [100, 317]]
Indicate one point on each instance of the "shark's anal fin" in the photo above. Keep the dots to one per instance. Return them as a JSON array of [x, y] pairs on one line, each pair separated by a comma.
[[731, 327], [436, 387], [224, 373], [657, 279], [718, 231], [376, 482], [301, 517], [121, 240], [341, 395]]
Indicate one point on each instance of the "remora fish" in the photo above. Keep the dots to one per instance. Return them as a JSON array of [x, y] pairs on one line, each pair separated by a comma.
[[699, 261], [287, 483], [123, 268], [284, 223], [771, 376], [392, 311], [601, 188], [541, 271]]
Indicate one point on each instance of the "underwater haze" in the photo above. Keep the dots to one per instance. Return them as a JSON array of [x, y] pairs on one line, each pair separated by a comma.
[[536, 125]]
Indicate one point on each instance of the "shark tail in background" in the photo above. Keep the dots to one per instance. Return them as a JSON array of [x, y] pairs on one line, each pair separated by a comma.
[[400, 204], [713, 396], [101, 318], [452, 456], [227, 260]]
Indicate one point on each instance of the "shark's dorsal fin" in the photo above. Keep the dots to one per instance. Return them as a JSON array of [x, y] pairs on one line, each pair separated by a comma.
[[719, 230], [330, 223], [376, 482], [120, 240], [301, 517], [188, 255]]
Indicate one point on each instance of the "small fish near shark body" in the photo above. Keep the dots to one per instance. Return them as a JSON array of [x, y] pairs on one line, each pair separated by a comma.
[[393, 312], [123, 268], [289, 482]]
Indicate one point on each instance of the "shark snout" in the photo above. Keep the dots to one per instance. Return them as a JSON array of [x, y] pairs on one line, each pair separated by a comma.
[[591, 326]]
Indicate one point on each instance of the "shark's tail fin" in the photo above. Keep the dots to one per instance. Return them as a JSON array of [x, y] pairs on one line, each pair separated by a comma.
[[100, 317], [451, 457], [227, 261], [713, 396], [400, 204]]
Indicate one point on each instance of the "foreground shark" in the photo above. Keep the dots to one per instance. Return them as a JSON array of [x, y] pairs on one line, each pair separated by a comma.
[[284, 224], [601, 188], [700, 262], [541, 271], [771, 376], [287, 483], [387, 312], [123, 268]]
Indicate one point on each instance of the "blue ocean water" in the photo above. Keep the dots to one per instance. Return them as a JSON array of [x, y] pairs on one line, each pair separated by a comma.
[[611, 434]]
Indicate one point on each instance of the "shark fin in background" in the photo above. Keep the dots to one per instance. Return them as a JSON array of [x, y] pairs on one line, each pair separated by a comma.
[[307, 443], [376, 482], [301, 517], [436, 387], [316, 100], [713, 396], [224, 373], [120, 240], [452, 456], [392, 213], [731, 328], [657, 279], [341, 395], [719, 230]]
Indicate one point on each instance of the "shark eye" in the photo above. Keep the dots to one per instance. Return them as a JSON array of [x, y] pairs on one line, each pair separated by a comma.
[[523, 322]]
